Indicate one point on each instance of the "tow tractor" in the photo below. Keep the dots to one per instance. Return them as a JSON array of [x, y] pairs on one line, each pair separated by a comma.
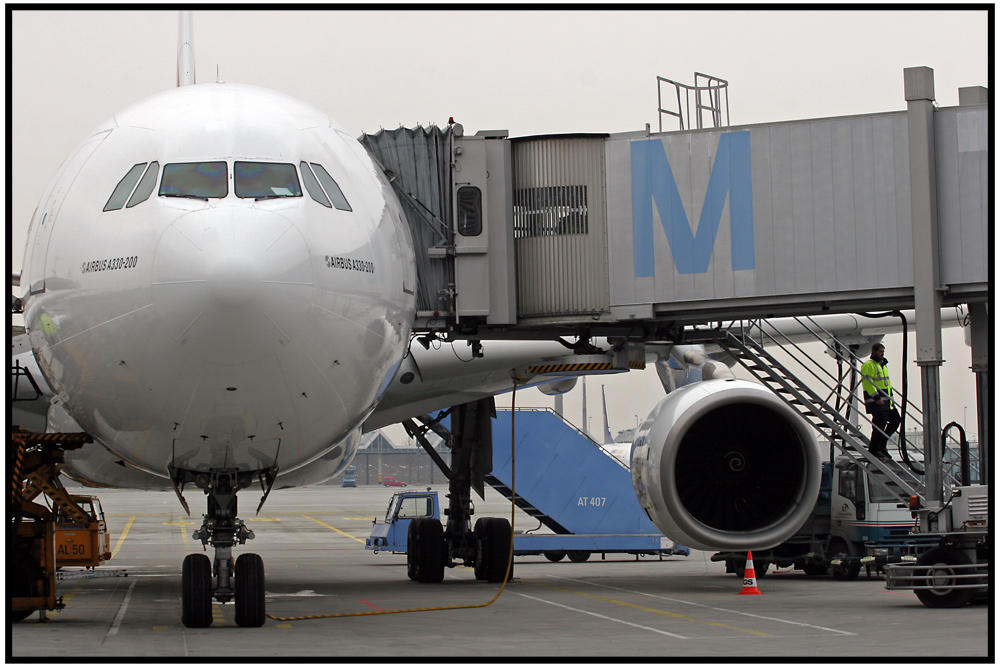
[[391, 533]]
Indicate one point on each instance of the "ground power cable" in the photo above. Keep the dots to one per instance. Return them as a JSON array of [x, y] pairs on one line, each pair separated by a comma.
[[510, 559]]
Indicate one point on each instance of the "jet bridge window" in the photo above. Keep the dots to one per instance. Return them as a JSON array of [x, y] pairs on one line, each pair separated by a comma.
[[265, 180], [195, 180], [470, 211], [319, 181]]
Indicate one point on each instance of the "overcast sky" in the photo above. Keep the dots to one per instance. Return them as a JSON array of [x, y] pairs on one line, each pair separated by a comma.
[[528, 72]]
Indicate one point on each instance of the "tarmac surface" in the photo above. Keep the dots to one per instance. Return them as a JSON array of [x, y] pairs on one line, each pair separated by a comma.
[[312, 544]]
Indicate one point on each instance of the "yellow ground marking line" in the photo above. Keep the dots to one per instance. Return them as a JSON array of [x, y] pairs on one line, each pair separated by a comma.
[[336, 530], [657, 611], [181, 523], [121, 540]]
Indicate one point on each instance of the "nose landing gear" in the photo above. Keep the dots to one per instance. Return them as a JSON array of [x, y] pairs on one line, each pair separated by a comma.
[[221, 529]]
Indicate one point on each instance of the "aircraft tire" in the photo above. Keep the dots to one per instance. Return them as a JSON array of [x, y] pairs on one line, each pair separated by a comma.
[[426, 535], [498, 550], [196, 591], [249, 588], [482, 560], [937, 562]]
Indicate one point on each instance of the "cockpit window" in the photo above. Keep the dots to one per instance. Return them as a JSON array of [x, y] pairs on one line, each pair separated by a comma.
[[124, 188], [331, 187], [315, 191], [197, 180], [312, 186], [146, 185], [265, 180]]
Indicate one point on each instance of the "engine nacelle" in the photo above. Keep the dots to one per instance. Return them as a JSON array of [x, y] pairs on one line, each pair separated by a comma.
[[726, 465]]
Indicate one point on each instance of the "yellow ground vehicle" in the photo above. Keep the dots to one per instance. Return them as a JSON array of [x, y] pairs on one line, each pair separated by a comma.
[[82, 543], [71, 532]]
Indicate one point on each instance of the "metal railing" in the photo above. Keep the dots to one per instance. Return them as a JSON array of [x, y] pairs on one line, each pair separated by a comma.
[[750, 337], [708, 91]]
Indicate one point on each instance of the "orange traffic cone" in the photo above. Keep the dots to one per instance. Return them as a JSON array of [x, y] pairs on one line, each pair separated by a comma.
[[749, 578]]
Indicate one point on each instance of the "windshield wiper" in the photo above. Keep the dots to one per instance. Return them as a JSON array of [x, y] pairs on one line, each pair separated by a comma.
[[271, 197], [184, 196]]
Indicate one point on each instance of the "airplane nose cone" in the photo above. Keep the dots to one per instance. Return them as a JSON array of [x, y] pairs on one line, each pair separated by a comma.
[[234, 281], [232, 285]]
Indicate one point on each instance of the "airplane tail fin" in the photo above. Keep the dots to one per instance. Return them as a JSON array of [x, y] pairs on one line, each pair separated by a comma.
[[608, 440], [185, 50]]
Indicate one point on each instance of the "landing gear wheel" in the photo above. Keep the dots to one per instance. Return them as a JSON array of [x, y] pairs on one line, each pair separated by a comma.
[[937, 562], [578, 556], [196, 591], [481, 560], [553, 556], [844, 571], [25, 573], [411, 560], [249, 590], [425, 537], [497, 550]]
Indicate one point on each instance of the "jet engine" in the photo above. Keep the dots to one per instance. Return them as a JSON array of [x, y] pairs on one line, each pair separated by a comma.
[[725, 464]]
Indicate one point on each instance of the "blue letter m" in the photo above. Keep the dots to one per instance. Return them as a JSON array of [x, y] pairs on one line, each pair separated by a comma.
[[653, 180]]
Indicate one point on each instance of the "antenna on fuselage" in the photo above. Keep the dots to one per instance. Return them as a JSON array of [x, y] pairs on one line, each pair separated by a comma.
[[185, 50]]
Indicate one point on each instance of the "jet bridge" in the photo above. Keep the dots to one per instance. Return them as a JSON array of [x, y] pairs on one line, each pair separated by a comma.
[[634, 234]]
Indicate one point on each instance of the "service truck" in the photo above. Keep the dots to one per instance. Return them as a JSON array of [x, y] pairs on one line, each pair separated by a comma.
[[390, 534], [857, 522]]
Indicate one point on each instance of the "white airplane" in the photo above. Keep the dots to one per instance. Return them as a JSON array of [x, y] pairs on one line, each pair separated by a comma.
[[218, 287]]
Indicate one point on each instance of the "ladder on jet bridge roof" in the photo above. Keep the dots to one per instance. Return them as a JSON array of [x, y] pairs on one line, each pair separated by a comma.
[[747, 347]]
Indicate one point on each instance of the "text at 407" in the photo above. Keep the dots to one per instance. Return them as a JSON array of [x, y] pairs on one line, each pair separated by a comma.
[[595, 501]]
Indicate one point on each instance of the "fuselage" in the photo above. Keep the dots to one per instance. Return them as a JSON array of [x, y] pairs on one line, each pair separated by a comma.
[[219, 277]]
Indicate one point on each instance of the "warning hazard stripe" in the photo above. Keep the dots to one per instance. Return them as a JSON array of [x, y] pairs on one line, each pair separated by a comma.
[[567, 368], [573, 368]]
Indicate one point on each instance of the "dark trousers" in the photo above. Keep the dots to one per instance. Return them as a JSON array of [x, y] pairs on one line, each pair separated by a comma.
[[884, 424]]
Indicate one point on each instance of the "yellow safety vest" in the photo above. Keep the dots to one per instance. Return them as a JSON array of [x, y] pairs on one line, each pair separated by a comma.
[[875, 382]]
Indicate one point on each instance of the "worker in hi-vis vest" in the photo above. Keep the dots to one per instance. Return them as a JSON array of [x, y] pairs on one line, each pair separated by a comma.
[[878, 401]]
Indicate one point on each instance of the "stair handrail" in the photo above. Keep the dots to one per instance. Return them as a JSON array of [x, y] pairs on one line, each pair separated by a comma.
[[747, 332]]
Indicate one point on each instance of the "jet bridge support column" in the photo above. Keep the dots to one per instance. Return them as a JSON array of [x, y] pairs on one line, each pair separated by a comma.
[[979, 315], [918, 85]]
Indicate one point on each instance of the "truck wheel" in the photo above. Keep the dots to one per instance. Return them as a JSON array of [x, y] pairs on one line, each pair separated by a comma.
[[578, 556], [814, 569], [426, 538], [845, 571], [936, 567], [553, 556], [498, 551], [26, 572], [249, 571]]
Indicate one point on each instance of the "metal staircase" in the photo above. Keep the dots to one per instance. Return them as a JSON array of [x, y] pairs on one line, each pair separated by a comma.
[[527, 507], [746, 342]]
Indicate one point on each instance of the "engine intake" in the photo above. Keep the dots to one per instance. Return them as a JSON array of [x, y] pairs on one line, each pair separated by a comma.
[[725, 464]]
